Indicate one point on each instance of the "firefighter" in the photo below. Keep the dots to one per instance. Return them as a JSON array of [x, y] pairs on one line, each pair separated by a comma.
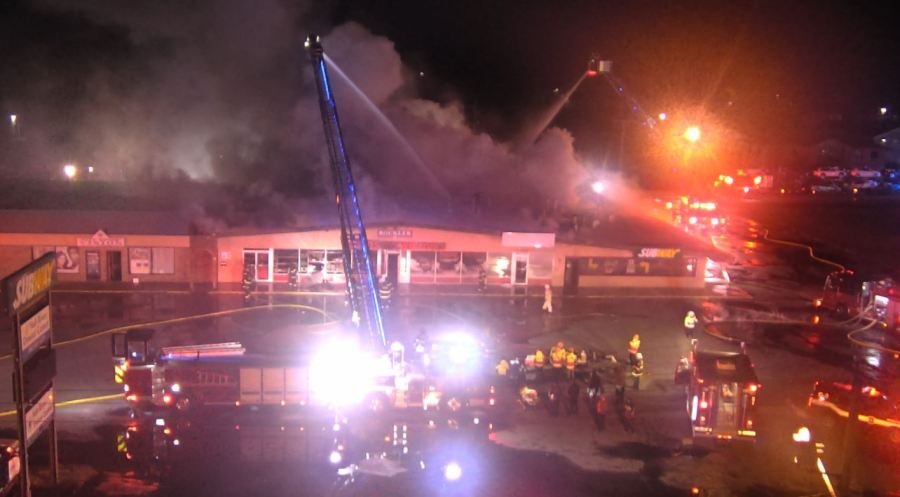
[[548, 300], [482, 280], [599, 409], [690, 322], [634, 346], [539, 359], [386, 291], [637, 370], [247, 280], [502, 367], [292, 277], [571, 360], [557, 359]]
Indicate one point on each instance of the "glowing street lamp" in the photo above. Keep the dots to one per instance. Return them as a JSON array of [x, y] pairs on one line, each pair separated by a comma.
[[883, 110], [12, 119], [599, 187], [70, 171], [692, 134]]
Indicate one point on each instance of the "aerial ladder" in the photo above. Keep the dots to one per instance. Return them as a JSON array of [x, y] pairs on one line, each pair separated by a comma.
[[362, 290]]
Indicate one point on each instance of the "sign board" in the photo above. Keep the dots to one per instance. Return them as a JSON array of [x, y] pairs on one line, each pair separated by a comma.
[[531, 240], [395, 233], [658, 253], [39, 416], [38, 374], [35, 333], [101, 239], [28, 284], [384, 245]]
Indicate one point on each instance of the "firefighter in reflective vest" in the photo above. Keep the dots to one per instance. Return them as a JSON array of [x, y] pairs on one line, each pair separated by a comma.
[[690, 322], [502, 367], [634, 346], [571, 360], [558, 356], [539, 359]]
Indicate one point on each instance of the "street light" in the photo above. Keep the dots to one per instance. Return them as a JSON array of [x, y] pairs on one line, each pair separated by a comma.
[[12, 119], [692, 134], [598, 187], [70, 171], [883, 110]]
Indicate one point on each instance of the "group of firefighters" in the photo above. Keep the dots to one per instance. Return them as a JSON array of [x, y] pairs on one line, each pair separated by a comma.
[[562, 358]]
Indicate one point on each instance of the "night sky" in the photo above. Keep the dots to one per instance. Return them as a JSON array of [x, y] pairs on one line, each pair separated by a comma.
[[221, 89]]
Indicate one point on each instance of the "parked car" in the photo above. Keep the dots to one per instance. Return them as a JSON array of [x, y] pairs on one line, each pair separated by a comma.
[[829, 173], [824, 188], [865, 172]]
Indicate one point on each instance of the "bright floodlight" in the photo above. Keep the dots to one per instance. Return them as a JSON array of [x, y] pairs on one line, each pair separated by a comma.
[[340, 373], [692, 134], [70, 171], [335, 457], [12, 119], [598, 187], [801, 435], [452, 472], [883, 110]]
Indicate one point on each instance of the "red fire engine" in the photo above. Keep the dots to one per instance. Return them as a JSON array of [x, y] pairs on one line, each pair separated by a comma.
[[848, 294], [721, 392]]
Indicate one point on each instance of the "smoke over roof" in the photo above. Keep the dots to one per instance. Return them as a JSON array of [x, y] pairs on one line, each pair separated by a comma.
[[221, 91]]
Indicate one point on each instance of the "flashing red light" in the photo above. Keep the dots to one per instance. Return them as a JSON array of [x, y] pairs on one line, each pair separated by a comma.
[[591, 73], [167, 399], [757, 180], [167, 431], [131, 397], [754, 387], [692, 220], [704, 404], [746, 189]]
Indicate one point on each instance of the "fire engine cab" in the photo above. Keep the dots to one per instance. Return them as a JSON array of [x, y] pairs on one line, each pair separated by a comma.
[[849, 294], [721, 390]]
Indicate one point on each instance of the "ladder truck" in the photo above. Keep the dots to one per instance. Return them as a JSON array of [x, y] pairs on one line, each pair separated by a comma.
[[362, 291]]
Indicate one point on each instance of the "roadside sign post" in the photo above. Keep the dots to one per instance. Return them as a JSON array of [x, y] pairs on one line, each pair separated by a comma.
[[26, 296]]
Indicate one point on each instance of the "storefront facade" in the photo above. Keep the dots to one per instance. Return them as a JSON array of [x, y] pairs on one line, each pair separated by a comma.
[[425, 255]]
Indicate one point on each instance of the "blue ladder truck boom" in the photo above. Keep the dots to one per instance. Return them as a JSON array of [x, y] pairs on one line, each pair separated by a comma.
[[362, 291]]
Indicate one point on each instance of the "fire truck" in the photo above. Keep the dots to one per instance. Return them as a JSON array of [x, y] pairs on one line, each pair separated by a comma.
[[846, 293], [721, 390]]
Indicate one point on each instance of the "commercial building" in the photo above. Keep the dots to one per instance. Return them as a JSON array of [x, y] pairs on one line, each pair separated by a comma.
[[110, 247], [107, 246]]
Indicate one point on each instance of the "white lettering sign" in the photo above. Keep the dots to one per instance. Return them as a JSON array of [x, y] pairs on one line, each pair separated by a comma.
[[395, 233], [35, 332], [100, 239], [39, 416]]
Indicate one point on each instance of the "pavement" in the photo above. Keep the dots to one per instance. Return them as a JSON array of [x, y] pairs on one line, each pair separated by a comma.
[[764, 306]]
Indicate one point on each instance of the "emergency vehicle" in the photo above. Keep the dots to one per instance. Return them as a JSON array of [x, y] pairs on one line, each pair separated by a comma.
[[721, 390], [876, 407], [848, 294], [696, 216], [225, 374]]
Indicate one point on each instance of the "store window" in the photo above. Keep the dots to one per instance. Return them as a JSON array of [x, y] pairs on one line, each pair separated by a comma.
[[285, 259], [312, 263], [334, 264], [499, 264], [156, 260], [421, 266], [448, 265], [540, 265], [473, 263], [637, 266]]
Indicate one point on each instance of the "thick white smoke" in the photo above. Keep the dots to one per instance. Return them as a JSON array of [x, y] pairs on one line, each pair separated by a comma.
[[223, 91]]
